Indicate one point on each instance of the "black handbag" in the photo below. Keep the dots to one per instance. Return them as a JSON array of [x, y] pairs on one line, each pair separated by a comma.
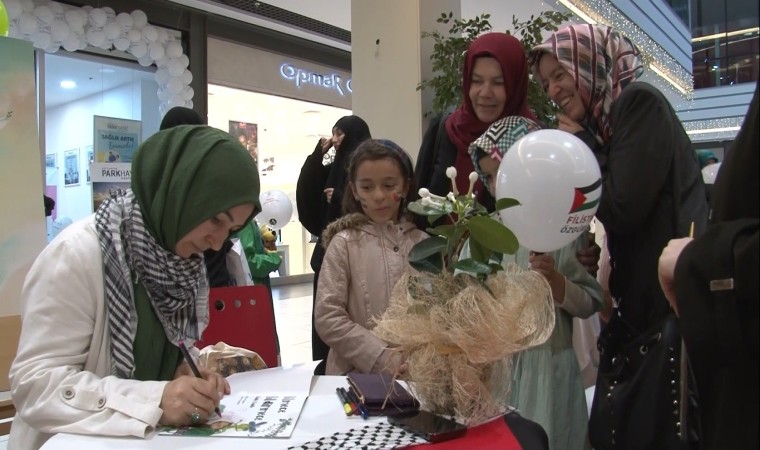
[[638, 389]]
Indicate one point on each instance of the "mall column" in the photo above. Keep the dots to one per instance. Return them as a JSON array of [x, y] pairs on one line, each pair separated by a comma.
[[389, 59]]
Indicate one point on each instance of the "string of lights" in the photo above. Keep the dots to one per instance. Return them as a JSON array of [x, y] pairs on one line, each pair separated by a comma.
[[672, 76]]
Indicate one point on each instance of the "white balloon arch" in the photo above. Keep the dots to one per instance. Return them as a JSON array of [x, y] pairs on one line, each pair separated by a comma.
[[51, 25]]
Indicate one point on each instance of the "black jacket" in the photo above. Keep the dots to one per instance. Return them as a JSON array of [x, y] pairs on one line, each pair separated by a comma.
[[650, 173], [720, 326]]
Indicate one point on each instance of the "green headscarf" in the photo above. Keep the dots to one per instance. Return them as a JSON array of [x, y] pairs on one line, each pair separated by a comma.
[[187, 174]]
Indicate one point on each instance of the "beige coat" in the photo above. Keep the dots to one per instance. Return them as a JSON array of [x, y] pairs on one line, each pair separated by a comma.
[[60, 379], [362, 263]]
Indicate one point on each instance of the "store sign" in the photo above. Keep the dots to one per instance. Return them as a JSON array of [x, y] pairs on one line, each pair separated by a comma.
[[325, 81]]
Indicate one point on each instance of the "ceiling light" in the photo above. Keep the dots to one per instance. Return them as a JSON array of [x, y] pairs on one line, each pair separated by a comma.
[[578, 12], [68, 84], [106, 70], [713, 130]]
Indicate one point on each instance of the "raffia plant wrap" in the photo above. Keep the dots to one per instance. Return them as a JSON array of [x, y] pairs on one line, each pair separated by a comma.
[[458, 334]]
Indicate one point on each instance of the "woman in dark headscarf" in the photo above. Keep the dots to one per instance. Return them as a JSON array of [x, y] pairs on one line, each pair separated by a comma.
[[106, 303], [317, 186], [494, 86]]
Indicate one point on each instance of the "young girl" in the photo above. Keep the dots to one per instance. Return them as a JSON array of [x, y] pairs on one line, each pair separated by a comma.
[[366, 254], [546, 380]]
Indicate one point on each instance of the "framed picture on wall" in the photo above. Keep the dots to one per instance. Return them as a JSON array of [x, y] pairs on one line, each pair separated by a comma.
[[248, 135], [71, 167], [50, 161], [90, 159]]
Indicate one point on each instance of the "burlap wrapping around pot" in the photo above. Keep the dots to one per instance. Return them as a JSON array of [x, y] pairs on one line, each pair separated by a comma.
[[457, 335]]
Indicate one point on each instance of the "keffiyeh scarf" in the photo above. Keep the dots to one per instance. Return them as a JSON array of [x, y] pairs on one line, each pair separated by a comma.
[[176, 287]]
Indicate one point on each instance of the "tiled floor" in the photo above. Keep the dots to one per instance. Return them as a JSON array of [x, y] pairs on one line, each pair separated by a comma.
[[292, 310]]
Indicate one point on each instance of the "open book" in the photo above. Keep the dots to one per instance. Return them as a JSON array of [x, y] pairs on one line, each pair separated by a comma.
[[263, 404]]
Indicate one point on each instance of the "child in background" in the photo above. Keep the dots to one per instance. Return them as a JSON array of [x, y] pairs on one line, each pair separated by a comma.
[[367, 252], [546, 380]]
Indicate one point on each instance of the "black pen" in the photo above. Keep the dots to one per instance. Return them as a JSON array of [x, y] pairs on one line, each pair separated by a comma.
[[194, 368]]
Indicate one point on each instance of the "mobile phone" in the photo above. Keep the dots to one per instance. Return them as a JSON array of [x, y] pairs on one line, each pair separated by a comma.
[[429, 426]]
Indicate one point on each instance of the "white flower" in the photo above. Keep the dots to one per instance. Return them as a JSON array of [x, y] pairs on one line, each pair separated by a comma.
[[451, 172], [424, 192], [473, 178], [451, 197]]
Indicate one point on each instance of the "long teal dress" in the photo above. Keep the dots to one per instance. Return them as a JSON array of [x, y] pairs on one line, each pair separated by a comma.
[[546, 380]]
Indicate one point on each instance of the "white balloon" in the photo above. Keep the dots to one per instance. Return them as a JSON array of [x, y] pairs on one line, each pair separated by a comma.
[[162, 108], [175, 67], [125, 20], [175, 85], [44, 14], [121, 44], [95, 37], [112, 30], [41, 39], [139, 19], [163, 94], [557, 181], [52, 48], [184, 60], [27, 24], [59, 30], [134, 35], [75, 18], [138, 50], [187, 77], [150, 34], [71, 43], [110, 13], [163, 35], [161, 62], [156, 50], [276, 209], [162, 76], [98, 18], [145, 61], [27, 6], [13, 8], [189, 104], [709, 173], [175, 100], [174, 49], [188, 93]]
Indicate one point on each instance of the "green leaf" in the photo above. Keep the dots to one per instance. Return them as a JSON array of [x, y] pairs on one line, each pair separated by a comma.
[[442, 230], [418, 208], [472, 266], [493, 235], [506, 202], [431, 246], [478, 252], [433, 264]]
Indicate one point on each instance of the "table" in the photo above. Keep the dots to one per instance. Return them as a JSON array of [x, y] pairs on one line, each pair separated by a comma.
[[322, 415]]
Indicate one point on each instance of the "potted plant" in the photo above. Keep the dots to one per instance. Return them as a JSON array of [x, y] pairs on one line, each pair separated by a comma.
[[457, 321]]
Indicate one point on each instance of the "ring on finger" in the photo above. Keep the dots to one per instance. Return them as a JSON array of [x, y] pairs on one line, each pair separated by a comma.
[[195, 417]]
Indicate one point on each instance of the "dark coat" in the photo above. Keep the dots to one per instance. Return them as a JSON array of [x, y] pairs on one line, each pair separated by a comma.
[[437, 153], [640, 186], [720, 327]]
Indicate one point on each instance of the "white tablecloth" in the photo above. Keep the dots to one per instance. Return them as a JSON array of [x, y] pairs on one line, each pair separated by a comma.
[[322, 415]]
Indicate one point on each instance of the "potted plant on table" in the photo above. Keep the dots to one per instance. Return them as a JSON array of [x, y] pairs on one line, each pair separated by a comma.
[[458, 319]]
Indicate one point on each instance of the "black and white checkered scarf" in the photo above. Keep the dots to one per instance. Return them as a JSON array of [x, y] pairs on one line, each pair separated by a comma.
[[177, 288]]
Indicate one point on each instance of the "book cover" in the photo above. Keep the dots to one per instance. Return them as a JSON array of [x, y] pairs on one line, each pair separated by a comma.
[[251, 415]]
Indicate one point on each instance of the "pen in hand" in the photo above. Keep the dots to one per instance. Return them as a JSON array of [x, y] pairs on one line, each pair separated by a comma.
[[194, 368]]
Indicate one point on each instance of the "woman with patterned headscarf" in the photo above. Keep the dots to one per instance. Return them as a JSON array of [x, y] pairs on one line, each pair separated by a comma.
[[546, 384], [106, 304], [652, 187]]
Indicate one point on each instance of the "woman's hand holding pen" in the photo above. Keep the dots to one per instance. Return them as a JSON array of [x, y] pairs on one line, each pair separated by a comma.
[[187, 395]]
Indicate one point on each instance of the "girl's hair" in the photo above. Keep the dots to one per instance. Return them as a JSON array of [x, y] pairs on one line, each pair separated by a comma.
[[373, 150]]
